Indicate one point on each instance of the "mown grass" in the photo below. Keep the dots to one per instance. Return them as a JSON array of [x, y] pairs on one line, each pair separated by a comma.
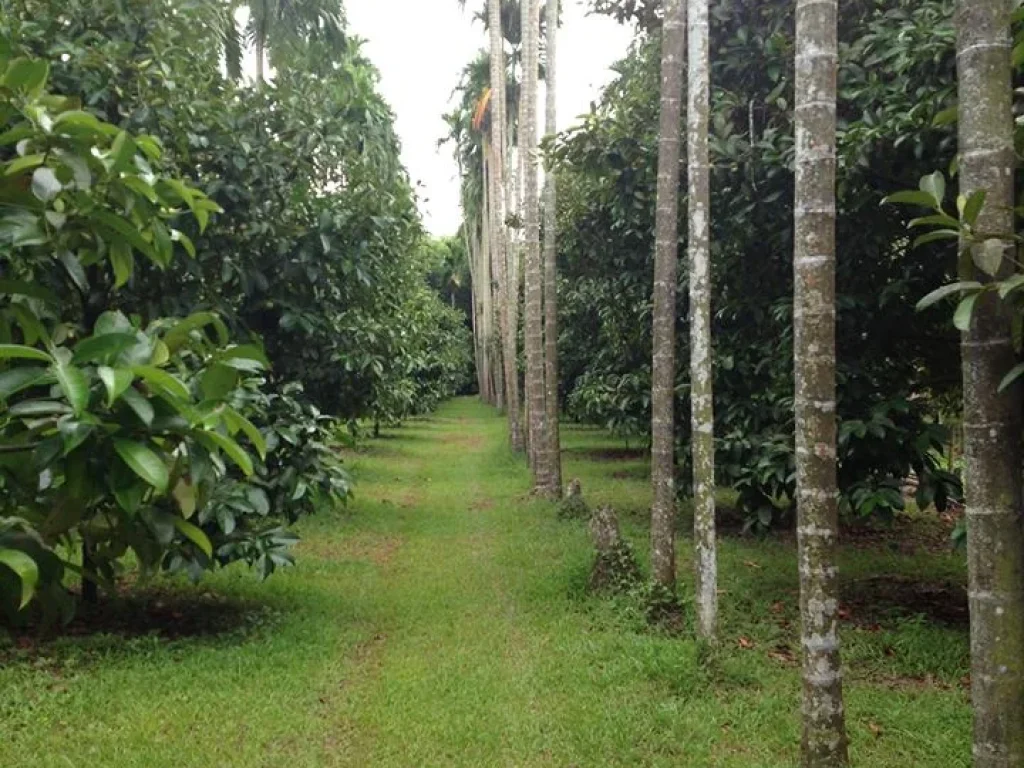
[[441, 620]]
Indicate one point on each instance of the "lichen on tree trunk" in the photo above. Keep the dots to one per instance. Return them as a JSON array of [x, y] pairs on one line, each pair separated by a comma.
[[666, 254], [615, 567], [553, 451], [992, 420], [534, 276], [701, 403], [824, 740], [499, 238]]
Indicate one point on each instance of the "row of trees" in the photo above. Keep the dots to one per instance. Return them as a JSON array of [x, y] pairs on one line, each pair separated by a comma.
[[789, 321], [495, 130], [204, 283]]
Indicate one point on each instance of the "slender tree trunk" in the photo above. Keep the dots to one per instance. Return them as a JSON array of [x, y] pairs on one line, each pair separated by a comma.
[[261, 55], [992, 421], [496, 241], [472, 245], [824, 733], [534, 320], [553, 452], [666, 254], [701, 373], [515, 251], [509, 293]]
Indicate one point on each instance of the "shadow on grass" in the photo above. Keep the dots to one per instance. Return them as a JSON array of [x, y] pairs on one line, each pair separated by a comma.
[[883, 599], [607, 453], [166, 613]]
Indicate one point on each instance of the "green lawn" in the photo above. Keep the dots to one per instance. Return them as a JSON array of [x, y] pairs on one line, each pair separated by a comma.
[[440, 621]]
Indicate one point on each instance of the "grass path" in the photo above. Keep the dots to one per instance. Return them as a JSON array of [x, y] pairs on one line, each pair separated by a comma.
[[440, 621]]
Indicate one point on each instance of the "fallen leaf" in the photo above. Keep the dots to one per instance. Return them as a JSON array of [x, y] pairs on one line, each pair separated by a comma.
[[751, 564], [745, 642]]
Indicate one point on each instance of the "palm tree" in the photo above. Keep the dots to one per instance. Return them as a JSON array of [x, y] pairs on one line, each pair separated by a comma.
[[701, 402], [534, 322], [554, 448], [279, 30], [666, 253], [814, 260], [991, 420], [506, 291]]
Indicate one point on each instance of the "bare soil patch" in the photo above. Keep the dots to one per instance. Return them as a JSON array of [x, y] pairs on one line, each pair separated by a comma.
[[881, 599], [463, 440], [611, 454], [375, 548], [162, 611]]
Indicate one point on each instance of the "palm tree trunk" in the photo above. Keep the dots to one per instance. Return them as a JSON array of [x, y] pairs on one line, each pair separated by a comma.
[[666, 254], [553, 453], [701, 401], [507, 294], [261, 55], [992, 421], [814, 258], [494, 316], [534, 320]]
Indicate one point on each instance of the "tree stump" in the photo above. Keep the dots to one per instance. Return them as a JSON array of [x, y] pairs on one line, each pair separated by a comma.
[[615, 568], [572, 506]]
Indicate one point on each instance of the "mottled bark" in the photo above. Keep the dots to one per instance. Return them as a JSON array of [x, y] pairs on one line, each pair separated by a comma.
[[701, 404], [534, 320], [666, 254], [824, 732], [992, 421], [553, 450], [515, 192], [493, 313], [507, 293], [615, 567]]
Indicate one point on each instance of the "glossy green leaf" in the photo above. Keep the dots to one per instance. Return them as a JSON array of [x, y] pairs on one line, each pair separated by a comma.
[[911, 197], [1015, 373], [26, 74], [122, 262], [236, 421], [115, 380], [935, 186], [19, 379], [25, 568], [74, 384], [19, 351], [144, 462], [40, 408], [217, 382], [31, 290], [233, 450], [195, 535], [104, 347], [962, 316], [947, 290], [179, 334], [162, 380], [140, 405]]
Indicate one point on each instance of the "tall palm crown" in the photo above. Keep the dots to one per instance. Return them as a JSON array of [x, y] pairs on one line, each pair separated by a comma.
[[281, 30]]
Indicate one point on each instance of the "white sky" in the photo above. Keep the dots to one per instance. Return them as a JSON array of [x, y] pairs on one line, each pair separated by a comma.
[[421, 47]]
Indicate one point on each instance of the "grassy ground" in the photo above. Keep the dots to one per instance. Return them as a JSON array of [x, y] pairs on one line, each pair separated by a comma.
[[441, 621]]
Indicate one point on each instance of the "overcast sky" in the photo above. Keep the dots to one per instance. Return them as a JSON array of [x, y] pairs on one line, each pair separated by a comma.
[[420, 48]]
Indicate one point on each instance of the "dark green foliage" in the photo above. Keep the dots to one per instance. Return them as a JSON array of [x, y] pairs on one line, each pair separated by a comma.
[[200, 282], [573, 508], [895, 365], [615, 570]]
